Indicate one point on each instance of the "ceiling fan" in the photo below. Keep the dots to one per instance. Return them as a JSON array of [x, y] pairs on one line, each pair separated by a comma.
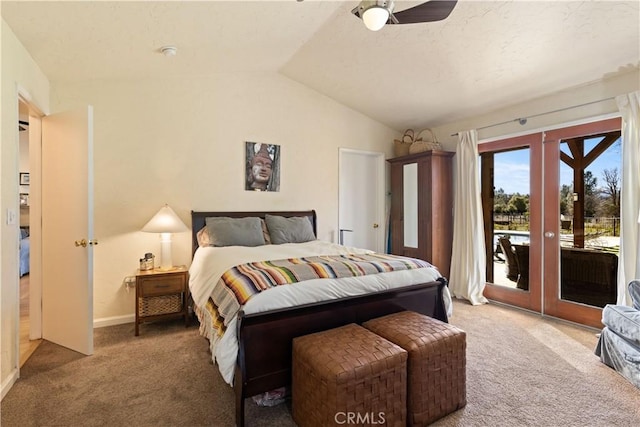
[[377, 13]]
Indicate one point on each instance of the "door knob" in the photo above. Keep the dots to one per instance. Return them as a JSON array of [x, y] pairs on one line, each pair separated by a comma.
[[375, 225], [549, 234], [82, 243]]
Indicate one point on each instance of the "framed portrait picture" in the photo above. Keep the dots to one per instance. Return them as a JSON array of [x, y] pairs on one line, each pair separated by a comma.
[[262, 170], [24, 178]]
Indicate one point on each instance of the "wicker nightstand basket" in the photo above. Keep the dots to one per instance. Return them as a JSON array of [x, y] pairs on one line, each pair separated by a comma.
[[150, 306]]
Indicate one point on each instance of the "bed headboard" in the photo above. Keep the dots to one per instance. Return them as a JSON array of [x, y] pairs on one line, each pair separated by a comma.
[[198, 220]]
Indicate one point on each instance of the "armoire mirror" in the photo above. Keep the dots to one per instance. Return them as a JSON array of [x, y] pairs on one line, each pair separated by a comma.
[[410, 209]]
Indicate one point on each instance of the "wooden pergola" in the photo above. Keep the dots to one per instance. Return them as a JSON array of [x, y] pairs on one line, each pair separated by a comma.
[[579, 162]]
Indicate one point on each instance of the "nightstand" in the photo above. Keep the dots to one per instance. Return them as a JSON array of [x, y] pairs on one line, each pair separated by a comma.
[[162, 294]]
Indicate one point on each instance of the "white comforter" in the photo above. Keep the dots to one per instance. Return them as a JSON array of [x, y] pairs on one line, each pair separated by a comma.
[[209, 263]]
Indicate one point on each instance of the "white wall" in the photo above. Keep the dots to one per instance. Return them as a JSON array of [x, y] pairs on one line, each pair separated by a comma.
[[611, 87], [18, 70], [182, 142]]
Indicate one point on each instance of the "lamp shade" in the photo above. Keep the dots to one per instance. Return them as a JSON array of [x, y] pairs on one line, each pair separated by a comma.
[[375, 17], [165, 221]]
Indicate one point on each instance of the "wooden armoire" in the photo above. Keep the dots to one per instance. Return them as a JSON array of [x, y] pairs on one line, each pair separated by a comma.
[[421, 218]]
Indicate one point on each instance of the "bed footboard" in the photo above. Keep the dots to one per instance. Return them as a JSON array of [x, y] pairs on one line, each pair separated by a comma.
[[265, 339]]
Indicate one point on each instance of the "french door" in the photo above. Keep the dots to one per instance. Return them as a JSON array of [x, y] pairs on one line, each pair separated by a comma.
[[549, 202], [511, 183]]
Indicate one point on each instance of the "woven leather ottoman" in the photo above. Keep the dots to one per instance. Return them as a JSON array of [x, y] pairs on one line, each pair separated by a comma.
[[436, 378], [348, 375]]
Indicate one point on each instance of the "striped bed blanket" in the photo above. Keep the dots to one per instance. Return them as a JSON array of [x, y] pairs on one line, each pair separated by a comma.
[[238, 284]]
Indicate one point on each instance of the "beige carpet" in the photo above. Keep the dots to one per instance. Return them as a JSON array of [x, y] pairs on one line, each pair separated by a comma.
[[521, 371]]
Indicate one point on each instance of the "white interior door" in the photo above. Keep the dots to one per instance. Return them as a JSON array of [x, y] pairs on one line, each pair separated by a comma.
[[362, 208], [67, 219]]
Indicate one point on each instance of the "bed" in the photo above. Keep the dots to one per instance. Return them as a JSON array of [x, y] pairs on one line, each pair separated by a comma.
[[24, 251], [253, 351]]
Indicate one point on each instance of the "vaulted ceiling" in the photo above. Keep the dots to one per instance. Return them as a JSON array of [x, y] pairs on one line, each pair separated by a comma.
[[485, 56]]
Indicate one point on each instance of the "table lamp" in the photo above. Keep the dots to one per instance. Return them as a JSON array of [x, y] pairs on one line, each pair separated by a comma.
[[165, 222]]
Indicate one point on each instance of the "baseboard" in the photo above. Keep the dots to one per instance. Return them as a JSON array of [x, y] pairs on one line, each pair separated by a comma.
[[115, 320], [9, 382]]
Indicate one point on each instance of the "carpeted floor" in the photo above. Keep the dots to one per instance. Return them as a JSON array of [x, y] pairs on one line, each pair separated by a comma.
[[521, 371]]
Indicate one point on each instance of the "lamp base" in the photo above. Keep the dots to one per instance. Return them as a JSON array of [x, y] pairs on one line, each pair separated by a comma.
[[166, 263]]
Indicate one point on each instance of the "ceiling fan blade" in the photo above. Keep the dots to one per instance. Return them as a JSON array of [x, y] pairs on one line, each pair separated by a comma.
[[435, 10]]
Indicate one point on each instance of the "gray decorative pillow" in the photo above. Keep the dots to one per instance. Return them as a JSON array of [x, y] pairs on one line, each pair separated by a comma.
[[289, 230], [225, 231]]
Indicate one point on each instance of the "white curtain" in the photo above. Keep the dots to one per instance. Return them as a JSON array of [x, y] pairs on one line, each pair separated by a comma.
[[629, 264], [468, 262]]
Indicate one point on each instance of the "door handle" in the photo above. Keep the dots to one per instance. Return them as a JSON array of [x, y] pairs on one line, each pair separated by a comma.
[[549, 234], [84, 243], [375, 225]]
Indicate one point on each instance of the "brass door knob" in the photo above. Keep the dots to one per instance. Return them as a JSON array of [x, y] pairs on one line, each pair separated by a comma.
[[82, 243], [375, 225]]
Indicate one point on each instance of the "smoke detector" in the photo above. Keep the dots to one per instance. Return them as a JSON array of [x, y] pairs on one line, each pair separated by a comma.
[[169, 50]]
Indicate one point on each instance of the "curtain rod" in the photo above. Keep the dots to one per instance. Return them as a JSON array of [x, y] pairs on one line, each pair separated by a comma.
[[523, 120]]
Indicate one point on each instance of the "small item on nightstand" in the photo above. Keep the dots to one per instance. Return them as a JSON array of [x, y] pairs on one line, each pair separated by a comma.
[[146, 263]]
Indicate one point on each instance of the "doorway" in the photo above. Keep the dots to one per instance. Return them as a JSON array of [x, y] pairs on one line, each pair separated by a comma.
[[29, 286], [361, 199], [551, 209]]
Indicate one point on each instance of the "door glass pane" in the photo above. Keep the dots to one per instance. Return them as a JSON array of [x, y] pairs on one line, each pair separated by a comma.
[[510, 219], [590, 219]]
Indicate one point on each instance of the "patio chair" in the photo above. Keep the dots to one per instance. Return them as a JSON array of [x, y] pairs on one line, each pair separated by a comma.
[[522, 256], [510, 255]]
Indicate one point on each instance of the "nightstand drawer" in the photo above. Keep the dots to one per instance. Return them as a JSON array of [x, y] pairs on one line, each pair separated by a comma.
[[156, 286]]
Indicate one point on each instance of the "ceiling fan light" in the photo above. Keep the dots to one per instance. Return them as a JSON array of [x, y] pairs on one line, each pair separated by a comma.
[[375, 17]]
